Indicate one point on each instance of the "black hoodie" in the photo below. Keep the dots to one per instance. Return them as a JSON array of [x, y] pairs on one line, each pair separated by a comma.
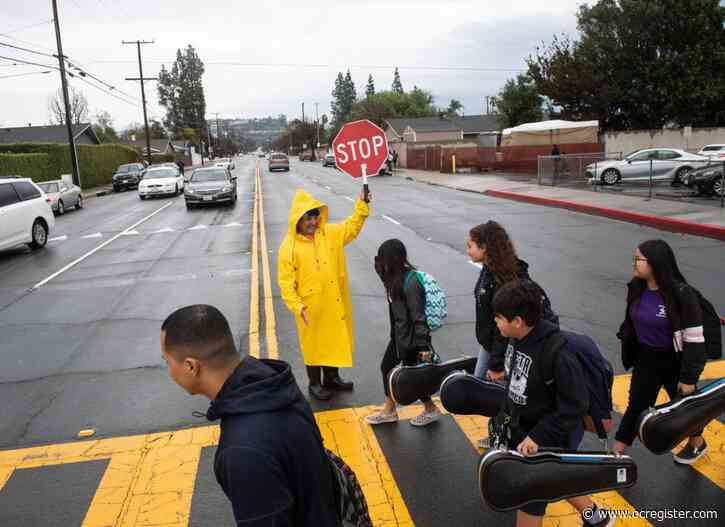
[[487, 333], [546, 413], [271, 462]]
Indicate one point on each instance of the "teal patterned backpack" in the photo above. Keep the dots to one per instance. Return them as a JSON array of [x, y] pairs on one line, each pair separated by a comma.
[[436, 306]]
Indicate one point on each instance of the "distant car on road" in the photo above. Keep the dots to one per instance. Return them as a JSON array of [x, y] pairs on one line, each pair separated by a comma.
[[329, 160], [128, 176], [667, 164], [62, 196], [714, 152], [707, 180], [225, 162], [305, 156], [210, 185], [278, 161], [25, 215], [161, 181], [260, 154]]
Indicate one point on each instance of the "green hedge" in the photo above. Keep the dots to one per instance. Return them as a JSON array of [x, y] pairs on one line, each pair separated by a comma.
[[46, 161], [34, 166]]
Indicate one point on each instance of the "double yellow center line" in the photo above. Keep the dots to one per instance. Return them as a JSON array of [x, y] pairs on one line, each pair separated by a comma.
[[259, 247]]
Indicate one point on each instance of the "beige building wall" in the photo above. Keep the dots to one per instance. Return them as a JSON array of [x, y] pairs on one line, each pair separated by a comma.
[[626, 142]]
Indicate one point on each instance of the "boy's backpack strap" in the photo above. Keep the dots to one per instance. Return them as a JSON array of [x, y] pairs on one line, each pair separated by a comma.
[[554, 343]]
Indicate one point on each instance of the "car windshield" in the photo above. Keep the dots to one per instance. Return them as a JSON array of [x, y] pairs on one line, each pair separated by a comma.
[[279, 156], [713, 148], [208, 175], [49, 188], [123, 169], [632, 154], [161, 173]]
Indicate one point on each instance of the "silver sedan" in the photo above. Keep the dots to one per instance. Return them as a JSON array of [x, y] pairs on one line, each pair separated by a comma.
[[62, 196], [669, 164]]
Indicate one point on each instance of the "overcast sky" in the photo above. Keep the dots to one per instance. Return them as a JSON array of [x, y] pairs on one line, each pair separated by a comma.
[[267, 57]]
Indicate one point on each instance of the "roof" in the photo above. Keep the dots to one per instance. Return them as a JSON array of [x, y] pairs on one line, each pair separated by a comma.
[[476, 124], [470, 124], [156, 144], [423, 124], [545, 126], [44, 134]]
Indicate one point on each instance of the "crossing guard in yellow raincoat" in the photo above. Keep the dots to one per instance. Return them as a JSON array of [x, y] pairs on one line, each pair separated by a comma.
[[313, 281]]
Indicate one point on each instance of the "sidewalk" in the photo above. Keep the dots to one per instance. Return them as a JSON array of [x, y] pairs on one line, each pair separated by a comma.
[[687, 218]]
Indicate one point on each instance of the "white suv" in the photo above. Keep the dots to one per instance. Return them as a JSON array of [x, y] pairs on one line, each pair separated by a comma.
[[25, 215]]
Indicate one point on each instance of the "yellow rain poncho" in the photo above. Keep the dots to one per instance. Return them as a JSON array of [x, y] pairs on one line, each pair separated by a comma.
[[313, 274]]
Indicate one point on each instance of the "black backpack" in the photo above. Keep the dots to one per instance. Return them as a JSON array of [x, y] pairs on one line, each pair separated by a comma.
[[711, 327], [598, 376]]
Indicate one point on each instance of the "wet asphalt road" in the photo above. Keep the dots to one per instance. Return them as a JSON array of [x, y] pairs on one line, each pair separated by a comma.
[[82, 351]]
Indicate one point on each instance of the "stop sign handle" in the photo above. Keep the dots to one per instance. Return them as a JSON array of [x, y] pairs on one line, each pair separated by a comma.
[[366, 188]]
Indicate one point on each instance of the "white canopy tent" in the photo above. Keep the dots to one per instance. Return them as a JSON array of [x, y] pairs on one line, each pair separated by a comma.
[[550, 133]]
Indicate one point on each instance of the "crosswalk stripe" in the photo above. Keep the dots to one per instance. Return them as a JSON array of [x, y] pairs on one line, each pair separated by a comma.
[[94, 235]]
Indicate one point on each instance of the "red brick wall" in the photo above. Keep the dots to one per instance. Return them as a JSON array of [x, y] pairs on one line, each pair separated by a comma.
[[525, 158]]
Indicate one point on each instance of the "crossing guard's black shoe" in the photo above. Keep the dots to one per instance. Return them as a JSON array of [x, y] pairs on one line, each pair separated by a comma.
[[689, 454], [319, 392], [336, 383]]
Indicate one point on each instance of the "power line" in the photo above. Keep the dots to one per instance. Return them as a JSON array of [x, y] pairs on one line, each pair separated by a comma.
[[24, 74], [27, 27], [26, 50], [27, 42], [357, 66], [13, 59], [73, 64]]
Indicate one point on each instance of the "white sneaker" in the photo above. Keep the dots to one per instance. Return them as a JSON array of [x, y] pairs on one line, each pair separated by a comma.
[[381, 417], [425, 418]]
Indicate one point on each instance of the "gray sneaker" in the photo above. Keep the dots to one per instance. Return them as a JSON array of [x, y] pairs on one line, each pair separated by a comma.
[[381, 417], [425, 418]]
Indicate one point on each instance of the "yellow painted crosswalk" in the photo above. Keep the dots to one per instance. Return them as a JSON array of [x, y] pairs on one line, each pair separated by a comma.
[[150, 478]]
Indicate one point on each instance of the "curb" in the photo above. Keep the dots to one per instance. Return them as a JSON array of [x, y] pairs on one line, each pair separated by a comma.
[[658, 222]]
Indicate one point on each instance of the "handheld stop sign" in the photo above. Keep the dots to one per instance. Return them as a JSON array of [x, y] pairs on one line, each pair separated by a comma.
[[360, 148]]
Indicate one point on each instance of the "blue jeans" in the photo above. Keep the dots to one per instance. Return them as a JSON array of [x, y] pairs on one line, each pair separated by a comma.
[[482, 364]]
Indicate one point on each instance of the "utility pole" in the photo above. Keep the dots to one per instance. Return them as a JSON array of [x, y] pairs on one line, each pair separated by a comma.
[[218, 130], [303, 112], [143, 91], [317, 122], [64, 85]]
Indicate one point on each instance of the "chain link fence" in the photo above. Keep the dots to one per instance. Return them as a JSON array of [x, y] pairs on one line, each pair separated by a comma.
[[651, 173]]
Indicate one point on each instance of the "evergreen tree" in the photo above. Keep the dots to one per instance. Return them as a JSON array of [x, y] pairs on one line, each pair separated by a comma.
[[397, 85], [370, 88], [181, 92]]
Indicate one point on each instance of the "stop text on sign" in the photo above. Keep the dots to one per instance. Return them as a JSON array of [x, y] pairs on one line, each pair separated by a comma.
[[359, 149]]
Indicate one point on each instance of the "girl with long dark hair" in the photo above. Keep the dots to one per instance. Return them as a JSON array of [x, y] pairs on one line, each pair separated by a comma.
[[410, 340], [490, 246], [662, 340]]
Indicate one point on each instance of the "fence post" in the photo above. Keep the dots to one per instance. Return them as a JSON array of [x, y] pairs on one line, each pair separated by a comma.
[[650, 178], [597, 179], [453, 162], [722, 186]]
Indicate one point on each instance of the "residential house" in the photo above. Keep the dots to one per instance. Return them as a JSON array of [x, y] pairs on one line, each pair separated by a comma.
[[83, 134]]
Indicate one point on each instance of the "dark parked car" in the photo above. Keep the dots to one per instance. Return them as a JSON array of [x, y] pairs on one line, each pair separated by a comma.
[[128, 176], [329, 160], [210, 185], [707, 180], [305, 156]]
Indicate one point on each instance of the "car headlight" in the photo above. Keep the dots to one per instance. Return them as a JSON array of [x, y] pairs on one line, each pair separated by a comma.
[[227, 188]]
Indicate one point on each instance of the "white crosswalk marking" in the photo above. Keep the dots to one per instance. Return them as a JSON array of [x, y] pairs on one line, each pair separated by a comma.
[[132, 232], [391, 220], [58, 239], [197, 228], [165, 229], [94, 235], [233, 224]]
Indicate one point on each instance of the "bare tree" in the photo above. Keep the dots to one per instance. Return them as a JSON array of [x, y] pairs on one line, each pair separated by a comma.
[[78, 106]]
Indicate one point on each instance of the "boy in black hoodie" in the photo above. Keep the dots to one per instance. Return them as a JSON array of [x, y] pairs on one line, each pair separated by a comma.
[[542, 414], [270, 461]]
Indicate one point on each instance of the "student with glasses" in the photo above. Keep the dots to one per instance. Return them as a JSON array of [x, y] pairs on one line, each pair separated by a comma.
[[662, 340]]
